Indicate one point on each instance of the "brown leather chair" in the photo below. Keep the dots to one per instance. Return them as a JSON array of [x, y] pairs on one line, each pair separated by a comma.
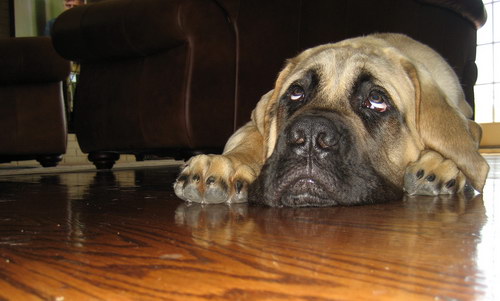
[[177, 77], [32, 115]]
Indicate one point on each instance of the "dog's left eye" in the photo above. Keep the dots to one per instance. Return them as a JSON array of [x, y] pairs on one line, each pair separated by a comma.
[[296, 93], [376, 101]]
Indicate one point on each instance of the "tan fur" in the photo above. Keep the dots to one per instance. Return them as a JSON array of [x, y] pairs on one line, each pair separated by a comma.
[[423, 86]]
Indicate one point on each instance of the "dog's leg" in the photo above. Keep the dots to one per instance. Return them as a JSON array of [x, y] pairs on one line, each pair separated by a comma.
[[432, 174], [226, 177]]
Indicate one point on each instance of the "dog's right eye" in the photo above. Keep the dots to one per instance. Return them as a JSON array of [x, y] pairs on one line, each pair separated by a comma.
[[296, 93], [376, 101]]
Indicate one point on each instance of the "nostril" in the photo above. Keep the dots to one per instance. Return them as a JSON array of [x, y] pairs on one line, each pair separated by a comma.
[[300, 141], [321, 141], [325, 141], [298, 137]]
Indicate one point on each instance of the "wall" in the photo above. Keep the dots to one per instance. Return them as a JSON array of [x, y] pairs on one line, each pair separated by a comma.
[[32, 15], [25, 17]]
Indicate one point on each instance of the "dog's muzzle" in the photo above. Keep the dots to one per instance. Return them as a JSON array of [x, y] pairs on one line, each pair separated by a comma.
[[317, 161]]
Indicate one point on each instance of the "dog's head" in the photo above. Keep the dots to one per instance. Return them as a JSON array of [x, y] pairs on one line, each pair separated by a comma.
[[343, 122]]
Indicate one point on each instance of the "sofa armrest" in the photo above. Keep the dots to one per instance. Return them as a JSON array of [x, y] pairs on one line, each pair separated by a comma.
[[472, 10], [31, 59], [128, 28]]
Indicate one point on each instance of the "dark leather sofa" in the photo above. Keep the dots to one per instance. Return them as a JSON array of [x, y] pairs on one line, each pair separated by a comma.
[[32, 114], [177, 77]]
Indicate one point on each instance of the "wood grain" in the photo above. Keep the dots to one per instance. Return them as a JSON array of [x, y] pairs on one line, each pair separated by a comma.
[[125, 236]]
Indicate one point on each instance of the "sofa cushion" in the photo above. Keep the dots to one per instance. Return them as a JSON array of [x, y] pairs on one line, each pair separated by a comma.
[[124, 28]]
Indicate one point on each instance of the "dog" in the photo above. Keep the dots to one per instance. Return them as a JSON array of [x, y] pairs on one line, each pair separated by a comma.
[[360, 121]]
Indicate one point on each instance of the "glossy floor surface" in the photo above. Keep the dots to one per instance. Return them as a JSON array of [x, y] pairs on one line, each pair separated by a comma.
[[125, 236]]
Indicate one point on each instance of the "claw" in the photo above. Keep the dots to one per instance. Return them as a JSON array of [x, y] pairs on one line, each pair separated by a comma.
[[239, 186], [210, 180], [196, 178]]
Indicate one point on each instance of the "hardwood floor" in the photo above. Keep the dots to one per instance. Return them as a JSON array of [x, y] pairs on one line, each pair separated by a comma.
[[125, 236]]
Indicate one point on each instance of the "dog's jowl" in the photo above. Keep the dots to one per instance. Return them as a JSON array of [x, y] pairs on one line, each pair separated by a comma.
[[360, 121]]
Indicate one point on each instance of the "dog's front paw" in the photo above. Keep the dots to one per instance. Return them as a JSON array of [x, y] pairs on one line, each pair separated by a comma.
[[432, 174], [214, 179]]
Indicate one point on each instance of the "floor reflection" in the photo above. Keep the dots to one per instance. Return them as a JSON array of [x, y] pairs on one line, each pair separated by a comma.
[[217, 223], [76, 204], [405, 224], [489, 246], [415, 238]]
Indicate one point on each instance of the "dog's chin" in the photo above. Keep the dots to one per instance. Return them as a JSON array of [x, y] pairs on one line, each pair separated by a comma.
[[296, 190], [305, 192], [320, 190]]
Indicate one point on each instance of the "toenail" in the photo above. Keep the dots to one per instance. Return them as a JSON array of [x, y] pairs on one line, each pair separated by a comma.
[[182, 178], [451, 183], [431, 178], [210, 180], [239, 186]]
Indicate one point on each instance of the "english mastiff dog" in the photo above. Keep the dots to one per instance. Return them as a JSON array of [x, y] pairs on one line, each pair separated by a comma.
[[364, 120]]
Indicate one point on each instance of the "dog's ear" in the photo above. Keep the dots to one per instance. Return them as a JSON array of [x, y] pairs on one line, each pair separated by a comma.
[[444, 129], [264, 118], [265, 113]]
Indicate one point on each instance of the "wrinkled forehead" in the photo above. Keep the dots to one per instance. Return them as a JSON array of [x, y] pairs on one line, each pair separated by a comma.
[[343, 62]]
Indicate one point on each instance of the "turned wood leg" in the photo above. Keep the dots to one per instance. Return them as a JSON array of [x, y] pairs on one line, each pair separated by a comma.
[[103, 160], [49, 160]]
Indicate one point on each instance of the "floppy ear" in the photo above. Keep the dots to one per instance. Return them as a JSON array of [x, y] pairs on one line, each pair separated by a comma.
[[445, 130], [265, 114]]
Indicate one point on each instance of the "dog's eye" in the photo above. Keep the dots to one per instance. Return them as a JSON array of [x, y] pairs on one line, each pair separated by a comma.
[[376, 101], [296, 93]]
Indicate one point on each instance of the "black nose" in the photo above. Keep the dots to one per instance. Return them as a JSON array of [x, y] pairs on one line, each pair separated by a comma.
[[312, 135]]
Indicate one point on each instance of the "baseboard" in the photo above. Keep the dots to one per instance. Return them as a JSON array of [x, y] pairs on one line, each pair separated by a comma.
[[486, 151], [491, 136]]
